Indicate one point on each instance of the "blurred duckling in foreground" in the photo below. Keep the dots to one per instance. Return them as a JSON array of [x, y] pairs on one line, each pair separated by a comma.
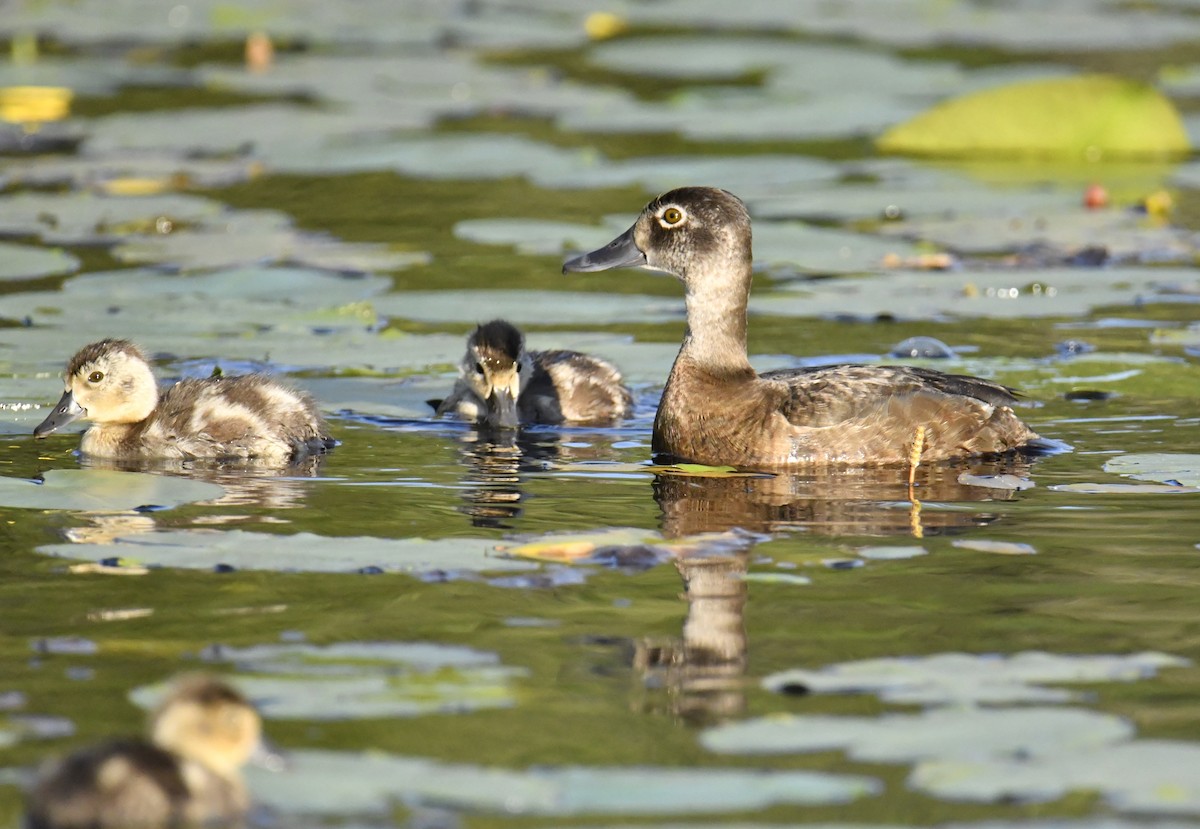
[[188, 775], [253, 416], [716, 409], [502, 385]]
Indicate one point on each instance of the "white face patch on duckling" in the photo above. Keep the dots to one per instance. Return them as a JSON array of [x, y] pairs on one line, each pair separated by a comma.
[[116, 387]]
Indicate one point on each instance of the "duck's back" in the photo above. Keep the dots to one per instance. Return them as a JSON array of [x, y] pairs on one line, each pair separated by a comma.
[[568, 386], [250, 416], [847, 414], [126, 783]]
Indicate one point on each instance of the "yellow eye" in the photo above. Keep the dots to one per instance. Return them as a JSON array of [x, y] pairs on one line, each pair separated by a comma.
[[95, 376], [672, 215]]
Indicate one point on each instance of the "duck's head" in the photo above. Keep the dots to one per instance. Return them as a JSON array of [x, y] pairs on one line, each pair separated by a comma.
[[108, 382], [206, 720], [687, 232], [496, 366]]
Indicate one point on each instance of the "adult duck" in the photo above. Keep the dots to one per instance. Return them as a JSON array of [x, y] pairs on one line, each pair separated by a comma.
[[716, 410]]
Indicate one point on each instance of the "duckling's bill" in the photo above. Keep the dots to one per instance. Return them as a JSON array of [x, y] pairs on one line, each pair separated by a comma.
[[503, 409], [66, 410], [621, 252]]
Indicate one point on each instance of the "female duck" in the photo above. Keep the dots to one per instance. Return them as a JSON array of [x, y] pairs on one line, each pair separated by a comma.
[[110, 383], [715, 409], [187, 776], [501, 384]]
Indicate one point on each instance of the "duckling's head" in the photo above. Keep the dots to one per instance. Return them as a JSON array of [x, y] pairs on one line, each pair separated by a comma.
[[206, 720], [688, 232], [107, 382], [497, 367]]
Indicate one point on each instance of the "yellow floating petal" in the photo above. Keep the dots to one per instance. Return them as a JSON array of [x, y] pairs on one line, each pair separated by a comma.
[[34, 104]]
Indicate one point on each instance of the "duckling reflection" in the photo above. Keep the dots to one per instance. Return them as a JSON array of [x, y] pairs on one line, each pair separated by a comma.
[[502, 385], [492, 481], [843, 501], [188, 774], [111, 383]]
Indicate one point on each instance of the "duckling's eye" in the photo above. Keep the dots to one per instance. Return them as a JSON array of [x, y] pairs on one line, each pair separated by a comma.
[[518, 367], [479, 369], [95, 376], [672, 216]]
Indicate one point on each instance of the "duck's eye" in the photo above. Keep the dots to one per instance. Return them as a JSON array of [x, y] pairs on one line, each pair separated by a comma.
[[479, 369], [518, 368], [95, 376], [672, 216]]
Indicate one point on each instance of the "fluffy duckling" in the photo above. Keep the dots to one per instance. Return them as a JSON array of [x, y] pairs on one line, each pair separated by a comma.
[[501, 384], [716, 410], [188, 775], [253, 416]]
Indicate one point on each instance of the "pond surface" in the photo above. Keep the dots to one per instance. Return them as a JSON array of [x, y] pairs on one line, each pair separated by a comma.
[[448, 629]]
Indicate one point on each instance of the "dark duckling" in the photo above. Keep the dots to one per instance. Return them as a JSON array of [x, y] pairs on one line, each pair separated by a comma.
[[503, 385], [232, 418], [187, 775], [716, 410]]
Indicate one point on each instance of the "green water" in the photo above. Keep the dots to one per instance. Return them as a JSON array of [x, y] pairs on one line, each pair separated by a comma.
[[609, 674]]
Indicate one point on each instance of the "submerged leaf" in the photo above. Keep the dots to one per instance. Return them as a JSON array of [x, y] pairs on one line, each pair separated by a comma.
[[1089, 116], [102, 489]]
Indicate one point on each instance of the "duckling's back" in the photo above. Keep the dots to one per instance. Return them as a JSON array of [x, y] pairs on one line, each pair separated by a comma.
[[126, 783], [574, 387], [251, 416]]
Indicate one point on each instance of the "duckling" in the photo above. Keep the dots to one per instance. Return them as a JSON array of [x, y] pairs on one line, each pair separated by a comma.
[[501, 384], [187, 775], [253, 416], [716, 410]]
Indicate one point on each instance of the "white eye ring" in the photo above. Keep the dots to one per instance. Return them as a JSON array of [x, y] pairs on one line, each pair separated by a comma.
[[672, 216]]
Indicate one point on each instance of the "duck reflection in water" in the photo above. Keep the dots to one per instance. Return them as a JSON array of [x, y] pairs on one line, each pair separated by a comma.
[[701, 673], [841, 501]]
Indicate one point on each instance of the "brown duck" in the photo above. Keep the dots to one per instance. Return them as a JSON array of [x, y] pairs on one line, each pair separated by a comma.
[[716, 410], [188, 775], [501, 384]]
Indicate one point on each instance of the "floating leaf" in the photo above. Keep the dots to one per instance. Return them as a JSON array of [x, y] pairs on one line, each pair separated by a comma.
[[973, 679], [26, 262], [321, 782], [1174, 469], [205, 549], [103, 490], [1089, 116], [1003, 548]]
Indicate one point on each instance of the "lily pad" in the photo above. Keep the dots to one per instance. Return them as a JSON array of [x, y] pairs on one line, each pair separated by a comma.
[[973, 679], [1166, 468], [944, 734], [319, 782], [103, 490], [204, 549], [75, 218], [1144, 776], [1081, 117], [19, 262], [361, 680], [1002, 548]]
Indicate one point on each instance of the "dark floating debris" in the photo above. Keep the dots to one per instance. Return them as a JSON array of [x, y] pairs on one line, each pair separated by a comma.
[[224, 568], [1089, 395], [926, 348], [371, 570]]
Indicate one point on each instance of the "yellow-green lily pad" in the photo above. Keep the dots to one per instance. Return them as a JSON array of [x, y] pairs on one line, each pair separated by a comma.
[[1089, 116]]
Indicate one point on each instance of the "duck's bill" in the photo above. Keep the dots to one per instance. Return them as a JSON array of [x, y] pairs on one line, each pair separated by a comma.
[[502, 407], [65, 411], [621, 252]]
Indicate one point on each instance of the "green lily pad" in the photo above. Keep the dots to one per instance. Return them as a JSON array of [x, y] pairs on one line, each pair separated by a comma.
[[77, 218], [1001, 548], [961, 679], [204, 549], [360, 680], [1163, 467], [103, 490], [1077, 117], [321, 782], [1141, 777], [19, 262]]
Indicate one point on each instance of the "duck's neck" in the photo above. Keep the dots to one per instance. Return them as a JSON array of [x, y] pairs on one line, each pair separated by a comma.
[[715, 339]]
